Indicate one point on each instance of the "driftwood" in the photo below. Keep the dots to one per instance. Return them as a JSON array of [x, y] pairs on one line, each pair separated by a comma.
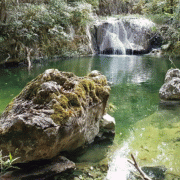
[[134, 163]]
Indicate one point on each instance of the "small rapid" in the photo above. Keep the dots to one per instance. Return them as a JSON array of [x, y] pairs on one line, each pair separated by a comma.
[[119, 167]]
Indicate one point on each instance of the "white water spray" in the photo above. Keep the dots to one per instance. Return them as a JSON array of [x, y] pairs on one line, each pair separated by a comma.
[[115, 38], [120, 168]]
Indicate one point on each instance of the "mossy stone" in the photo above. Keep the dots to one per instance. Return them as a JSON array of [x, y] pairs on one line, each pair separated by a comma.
[[65, 93], [60, 115]]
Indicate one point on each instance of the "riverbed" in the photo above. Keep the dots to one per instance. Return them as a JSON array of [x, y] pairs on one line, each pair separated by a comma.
[[144, 127]]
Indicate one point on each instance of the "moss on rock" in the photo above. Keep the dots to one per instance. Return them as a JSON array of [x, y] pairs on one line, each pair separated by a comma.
[[65, 93], [60, 115]]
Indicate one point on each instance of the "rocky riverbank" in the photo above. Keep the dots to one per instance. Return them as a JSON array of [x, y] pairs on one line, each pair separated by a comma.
[[56, 112]]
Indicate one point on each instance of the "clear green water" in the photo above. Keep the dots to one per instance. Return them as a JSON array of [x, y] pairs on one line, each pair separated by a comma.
[[136, 81]]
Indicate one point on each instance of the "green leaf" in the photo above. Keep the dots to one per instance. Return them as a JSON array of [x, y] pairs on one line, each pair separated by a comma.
[[10, 157]]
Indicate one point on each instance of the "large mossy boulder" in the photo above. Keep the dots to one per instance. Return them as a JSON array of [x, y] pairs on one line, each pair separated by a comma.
[[170, 90], [55, 112]]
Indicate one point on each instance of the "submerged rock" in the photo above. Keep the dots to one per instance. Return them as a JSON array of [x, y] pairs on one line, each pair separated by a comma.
[[170, 90], [56, 111], [155, 172]]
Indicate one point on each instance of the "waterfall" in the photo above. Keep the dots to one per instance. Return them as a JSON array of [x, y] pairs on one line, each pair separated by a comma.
[[91, 50], [112, 43], [115, 39], [128, 35]]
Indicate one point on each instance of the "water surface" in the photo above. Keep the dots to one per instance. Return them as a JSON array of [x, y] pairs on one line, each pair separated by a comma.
[[142, 128]]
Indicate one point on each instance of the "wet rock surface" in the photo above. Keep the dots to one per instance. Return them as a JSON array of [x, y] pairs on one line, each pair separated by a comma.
[[107, 129], [57, 111], [172, 73], [155, 172]]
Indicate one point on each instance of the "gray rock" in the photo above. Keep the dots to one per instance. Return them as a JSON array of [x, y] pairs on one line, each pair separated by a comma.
[[170, 90], [166, 46], [57, 111], [94, 73], [108, 122], [107, 128], [172, 73]]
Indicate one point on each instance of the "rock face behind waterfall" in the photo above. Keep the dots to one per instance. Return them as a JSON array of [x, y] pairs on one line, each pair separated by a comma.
[[170, 90], [57, 111], [125, 36]]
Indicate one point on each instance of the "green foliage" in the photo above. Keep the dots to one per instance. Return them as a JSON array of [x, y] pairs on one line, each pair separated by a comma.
[[113, 7], [80, 14], [111, 107], [94, 3], [176, 48], [154, 29], [159, 19], [6, 162], [167, 14], [46, 27], [58, 27]]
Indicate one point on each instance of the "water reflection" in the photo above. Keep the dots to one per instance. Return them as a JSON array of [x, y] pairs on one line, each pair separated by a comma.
[[130, 69]]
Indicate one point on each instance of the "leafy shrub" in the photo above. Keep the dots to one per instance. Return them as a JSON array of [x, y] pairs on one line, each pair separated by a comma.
[[47, 27]]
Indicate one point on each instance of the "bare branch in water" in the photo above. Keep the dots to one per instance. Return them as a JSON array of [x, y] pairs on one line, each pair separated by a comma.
[[134, 163]]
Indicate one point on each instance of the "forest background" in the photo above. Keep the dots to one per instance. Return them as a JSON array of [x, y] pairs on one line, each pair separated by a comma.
[[45, 28]]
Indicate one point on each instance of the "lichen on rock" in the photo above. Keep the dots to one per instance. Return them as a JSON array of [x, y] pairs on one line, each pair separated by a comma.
[[61, 109]]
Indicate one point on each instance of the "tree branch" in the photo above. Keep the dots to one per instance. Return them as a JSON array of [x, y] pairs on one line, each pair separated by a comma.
[[134, 163]]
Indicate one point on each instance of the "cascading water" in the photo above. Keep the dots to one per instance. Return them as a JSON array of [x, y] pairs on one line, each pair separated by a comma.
[[112, 44], [128, 35], [115, 40]]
